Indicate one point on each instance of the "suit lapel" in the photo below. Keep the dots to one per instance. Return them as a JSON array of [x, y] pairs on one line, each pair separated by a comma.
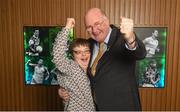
[[107, 53]]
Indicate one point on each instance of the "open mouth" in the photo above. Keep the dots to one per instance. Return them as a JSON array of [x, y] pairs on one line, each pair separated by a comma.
[[84, 60]]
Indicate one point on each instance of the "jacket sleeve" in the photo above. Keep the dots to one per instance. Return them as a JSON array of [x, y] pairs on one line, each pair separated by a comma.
[[140, 51]]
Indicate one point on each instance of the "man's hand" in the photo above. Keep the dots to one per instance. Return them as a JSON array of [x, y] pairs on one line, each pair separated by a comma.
[[126, 27], [70, 23], [63, 94]]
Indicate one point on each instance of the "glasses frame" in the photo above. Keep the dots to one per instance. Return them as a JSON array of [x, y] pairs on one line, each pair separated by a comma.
[[82, 52], [97, 24]]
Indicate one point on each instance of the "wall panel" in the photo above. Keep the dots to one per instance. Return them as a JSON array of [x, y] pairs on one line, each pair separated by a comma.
[[14, 14]]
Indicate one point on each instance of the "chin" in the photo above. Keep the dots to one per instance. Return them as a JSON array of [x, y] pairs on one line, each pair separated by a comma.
[[85, 65]]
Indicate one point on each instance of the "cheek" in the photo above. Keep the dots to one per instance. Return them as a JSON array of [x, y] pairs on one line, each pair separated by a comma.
[[88, 55], [76, 57], [104, 31], [91, 34]]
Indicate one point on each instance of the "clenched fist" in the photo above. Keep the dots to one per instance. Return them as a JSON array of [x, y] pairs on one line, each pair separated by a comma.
[[126, 27], [70, 22]]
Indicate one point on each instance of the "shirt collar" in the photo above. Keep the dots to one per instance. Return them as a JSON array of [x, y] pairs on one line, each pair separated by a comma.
[[108, 36]]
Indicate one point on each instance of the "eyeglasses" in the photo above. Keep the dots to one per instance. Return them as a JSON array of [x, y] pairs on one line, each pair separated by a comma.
[[81, 52], [96, 25]]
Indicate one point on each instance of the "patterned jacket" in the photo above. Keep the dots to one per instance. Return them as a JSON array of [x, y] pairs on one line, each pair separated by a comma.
[[72, 77]]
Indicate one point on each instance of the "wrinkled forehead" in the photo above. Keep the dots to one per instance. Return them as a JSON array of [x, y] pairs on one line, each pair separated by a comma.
[[92, 17]]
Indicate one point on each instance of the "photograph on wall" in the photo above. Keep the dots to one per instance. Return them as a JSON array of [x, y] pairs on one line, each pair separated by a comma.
[[38, 45], [150, 71]]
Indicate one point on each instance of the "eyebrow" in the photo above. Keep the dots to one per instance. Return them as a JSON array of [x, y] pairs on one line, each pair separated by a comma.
[[99, 21]]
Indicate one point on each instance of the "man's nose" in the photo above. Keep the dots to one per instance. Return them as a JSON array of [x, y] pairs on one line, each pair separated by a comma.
[[94, 29]]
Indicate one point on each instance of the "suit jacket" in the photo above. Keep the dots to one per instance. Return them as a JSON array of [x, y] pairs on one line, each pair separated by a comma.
[[114, 84]]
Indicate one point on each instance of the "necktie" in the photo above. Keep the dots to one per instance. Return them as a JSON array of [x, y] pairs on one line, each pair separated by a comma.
[[99, 55]]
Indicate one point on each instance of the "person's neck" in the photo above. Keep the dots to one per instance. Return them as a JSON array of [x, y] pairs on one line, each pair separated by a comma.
[[85, 70]]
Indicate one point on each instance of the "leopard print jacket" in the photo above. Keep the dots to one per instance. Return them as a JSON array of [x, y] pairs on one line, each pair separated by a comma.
[[72, 77]]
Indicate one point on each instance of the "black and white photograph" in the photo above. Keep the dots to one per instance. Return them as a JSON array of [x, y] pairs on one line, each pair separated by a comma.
[[151, 70]]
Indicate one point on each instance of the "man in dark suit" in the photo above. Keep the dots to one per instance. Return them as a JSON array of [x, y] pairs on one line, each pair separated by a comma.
[[114, 82], [113, 79]]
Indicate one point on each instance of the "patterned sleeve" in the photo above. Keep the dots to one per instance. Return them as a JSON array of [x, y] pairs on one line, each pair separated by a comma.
[[60, 47]]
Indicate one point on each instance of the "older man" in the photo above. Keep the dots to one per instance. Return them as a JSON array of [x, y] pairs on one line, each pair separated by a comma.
[[112, 73]]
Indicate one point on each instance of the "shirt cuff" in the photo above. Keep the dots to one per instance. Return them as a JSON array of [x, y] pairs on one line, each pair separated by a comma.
[[132, 49]]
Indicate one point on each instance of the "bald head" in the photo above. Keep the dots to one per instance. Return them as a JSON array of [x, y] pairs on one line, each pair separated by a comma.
[[97, 24], [94, 12]]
